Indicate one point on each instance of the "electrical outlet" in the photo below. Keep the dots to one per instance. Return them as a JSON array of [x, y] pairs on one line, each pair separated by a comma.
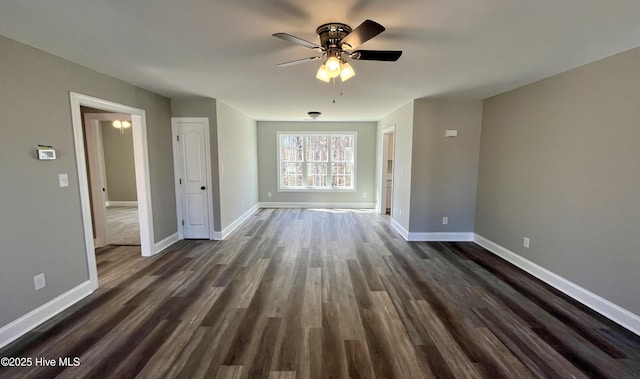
[[525, 242], [39, 282], [364, 195], [242, 204], [445, 220], [268, 194], [400, 213]]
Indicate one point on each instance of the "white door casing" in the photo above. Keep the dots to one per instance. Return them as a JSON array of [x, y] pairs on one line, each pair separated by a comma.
[[141, 160], [192, 174]]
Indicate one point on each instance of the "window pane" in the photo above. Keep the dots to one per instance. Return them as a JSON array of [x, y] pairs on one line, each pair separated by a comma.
[[342, 174], [291, 175], [342, 148], [317, 148], [290, 149], [316, 174]]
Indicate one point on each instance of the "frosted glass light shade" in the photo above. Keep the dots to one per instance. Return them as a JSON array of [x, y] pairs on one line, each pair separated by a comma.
[[333, 67], [322, 74], [346, 72]]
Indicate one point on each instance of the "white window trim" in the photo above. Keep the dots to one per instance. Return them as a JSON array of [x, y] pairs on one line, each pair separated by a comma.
[[329, 134]]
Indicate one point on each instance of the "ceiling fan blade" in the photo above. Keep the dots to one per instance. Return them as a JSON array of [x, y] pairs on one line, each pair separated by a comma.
[[376, 55], [298, 61], [298, 41], [364, 32]]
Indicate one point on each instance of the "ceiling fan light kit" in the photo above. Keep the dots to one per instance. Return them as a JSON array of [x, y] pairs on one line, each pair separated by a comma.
[[336, 42]]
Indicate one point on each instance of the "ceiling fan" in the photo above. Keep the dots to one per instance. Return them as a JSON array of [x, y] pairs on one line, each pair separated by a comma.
[[337, 42]]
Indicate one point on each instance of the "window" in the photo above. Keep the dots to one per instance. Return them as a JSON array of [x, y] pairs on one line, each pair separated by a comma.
[[316, 161]]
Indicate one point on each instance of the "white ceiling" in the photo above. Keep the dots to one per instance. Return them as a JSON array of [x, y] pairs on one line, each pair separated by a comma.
[[224, 49]]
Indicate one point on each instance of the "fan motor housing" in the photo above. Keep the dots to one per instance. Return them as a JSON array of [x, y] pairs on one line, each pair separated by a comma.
[[332, 33]]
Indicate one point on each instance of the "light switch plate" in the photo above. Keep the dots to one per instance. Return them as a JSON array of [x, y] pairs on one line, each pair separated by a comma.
[[63, 180], [451, 133]]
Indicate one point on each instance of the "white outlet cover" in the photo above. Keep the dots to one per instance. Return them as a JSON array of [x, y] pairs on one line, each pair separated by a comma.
[[525, 242], [39, 282], [445, 220]]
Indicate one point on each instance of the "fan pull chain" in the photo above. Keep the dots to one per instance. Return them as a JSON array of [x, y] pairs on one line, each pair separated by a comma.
[[334, 90]]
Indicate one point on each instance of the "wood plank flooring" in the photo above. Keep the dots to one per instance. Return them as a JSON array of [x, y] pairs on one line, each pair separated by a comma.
[[324, 294]]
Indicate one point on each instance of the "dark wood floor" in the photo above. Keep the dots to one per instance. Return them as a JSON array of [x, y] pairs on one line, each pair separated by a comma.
[[313, 293]]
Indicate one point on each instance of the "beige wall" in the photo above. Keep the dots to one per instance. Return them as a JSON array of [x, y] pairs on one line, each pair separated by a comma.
[[560, 164], [119, 163], [444, 171], [365, 162], [40, 223], [238, 163]]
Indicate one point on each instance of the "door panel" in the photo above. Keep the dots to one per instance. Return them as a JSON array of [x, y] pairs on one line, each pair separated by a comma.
[[195, 195], [195, 209]]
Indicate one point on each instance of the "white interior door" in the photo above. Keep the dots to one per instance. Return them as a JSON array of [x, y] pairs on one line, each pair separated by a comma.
[[97, 183], [192, 174]]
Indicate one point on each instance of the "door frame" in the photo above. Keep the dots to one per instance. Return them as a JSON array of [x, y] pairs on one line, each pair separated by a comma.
[[95, 156], [143, 184], [382, 207], [177, 169]]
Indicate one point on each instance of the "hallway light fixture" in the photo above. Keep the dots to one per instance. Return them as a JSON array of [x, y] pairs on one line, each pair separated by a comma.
[[122, 125]]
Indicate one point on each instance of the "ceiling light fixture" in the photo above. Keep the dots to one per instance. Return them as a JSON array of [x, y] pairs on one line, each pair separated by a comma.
[[122, 125], [314, 114], [335, 66]]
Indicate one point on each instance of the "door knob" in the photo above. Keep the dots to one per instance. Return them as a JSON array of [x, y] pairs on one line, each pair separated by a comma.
[[202, 188]]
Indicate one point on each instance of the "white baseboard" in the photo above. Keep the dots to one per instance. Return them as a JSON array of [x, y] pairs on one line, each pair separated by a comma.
[[161, 245], [444, 237], [24, 324], [236, 224], [402, 231], [121, 203], [307, 205], [599, 304], [425, 237]]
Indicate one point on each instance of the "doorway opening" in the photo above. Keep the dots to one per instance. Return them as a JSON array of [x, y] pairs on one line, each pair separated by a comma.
[[388, 144], [112, 180], [141, 163]]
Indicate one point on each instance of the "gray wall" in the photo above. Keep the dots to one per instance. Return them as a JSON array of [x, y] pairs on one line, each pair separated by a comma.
[[365, 164], [40, 224], [238, 163], [402, 119], [560, 164], [444, 171], [204, 107], [119, 163]]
